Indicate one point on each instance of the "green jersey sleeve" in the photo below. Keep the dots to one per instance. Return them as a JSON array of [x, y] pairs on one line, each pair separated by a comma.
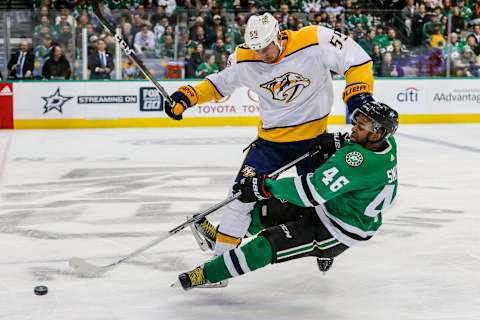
[[351, 168]]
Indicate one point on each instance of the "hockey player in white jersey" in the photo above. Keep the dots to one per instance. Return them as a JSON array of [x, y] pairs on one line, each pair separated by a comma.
[[290, 71]]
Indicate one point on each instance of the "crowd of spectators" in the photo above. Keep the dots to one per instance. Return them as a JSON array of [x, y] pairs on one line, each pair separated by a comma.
[[412, 39]]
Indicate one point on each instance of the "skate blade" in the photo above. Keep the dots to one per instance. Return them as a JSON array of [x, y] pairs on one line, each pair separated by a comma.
[[221, 284], [202, 243], [176, 284]]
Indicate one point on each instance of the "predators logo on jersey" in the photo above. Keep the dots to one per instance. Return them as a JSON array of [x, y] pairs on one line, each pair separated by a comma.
[[248, 171], [287, 86]]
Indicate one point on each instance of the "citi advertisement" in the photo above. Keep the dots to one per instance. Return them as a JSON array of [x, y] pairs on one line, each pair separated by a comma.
[[409, 95]]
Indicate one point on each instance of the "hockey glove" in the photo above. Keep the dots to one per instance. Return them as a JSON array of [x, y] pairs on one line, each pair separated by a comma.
[[329, 143], [356, 95], [185, 97], [253, 189]]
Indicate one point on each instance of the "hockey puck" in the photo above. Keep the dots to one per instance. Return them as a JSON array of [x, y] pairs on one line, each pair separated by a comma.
[[40, 290]]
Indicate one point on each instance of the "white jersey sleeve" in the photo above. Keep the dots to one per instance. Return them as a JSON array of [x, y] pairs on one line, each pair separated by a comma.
[[340, 52], [227, 80]]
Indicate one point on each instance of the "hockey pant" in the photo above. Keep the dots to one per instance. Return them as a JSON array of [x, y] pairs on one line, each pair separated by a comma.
[[263, 157], [288, 232]]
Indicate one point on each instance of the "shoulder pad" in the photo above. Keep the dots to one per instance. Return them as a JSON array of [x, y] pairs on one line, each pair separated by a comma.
[[301, 39], [244, 54]]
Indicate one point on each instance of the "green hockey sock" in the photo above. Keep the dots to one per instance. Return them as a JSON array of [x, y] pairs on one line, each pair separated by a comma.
[[255, 254]]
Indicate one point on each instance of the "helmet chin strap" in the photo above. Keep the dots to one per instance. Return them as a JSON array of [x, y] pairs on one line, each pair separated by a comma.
[[279, 45], [375, 141]]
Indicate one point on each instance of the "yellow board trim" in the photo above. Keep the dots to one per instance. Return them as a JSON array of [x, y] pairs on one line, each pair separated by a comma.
[[439, 118], [216, 122], [145, 122], [134, 123]]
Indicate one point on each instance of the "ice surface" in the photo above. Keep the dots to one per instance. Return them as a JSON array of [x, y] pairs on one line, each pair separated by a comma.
[[100, 194]]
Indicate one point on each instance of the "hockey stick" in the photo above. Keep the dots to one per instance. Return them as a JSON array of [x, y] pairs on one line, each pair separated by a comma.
[[129, 51], [83, 267]]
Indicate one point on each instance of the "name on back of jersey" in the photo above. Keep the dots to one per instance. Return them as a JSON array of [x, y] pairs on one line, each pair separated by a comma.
[[392, 174]]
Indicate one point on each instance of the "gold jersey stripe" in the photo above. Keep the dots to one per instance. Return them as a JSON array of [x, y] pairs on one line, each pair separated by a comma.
[[207, 91], [360, 74], [295, 41], [300, 132]]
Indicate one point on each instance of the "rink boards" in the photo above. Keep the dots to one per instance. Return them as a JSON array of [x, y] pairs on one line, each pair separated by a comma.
[[123, 104]]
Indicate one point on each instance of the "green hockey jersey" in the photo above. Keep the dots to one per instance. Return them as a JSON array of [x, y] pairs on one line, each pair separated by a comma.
[[349, 191]]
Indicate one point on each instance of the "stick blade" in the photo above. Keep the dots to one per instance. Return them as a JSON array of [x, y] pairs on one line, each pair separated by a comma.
[[84, 268]]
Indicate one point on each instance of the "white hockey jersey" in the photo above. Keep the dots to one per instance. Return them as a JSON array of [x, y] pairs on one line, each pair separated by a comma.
[[295, 92]]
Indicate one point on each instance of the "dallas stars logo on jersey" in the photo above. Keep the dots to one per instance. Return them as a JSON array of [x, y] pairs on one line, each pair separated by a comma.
[[354, 158], [287, 86]]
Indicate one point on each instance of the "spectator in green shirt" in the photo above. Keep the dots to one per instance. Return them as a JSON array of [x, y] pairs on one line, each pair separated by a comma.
[[206, 68], [45, 23], [447, 7], [43, 50], [229, 44], [218, 48], [465, 11], [367, 42], [454, 47], [358, 17], [294, 5], [391, 36], [165, 49], [376, 59], [381, 39]]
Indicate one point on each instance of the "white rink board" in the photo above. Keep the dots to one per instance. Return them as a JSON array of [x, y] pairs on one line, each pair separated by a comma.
[[33, 100], [30, 103]]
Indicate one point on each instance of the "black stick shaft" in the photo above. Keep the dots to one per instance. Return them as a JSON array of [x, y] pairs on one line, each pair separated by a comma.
[[130, 52]]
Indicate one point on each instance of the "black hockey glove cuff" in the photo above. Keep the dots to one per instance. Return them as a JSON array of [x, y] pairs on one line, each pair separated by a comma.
[[329, 143], [358, 101], [253, 189], [356, 95]]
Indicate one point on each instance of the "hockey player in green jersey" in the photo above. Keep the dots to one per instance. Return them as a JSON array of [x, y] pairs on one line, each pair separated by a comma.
[[320, 214]]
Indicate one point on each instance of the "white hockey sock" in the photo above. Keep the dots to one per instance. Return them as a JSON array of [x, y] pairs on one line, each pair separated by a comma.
[[234, 224]]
